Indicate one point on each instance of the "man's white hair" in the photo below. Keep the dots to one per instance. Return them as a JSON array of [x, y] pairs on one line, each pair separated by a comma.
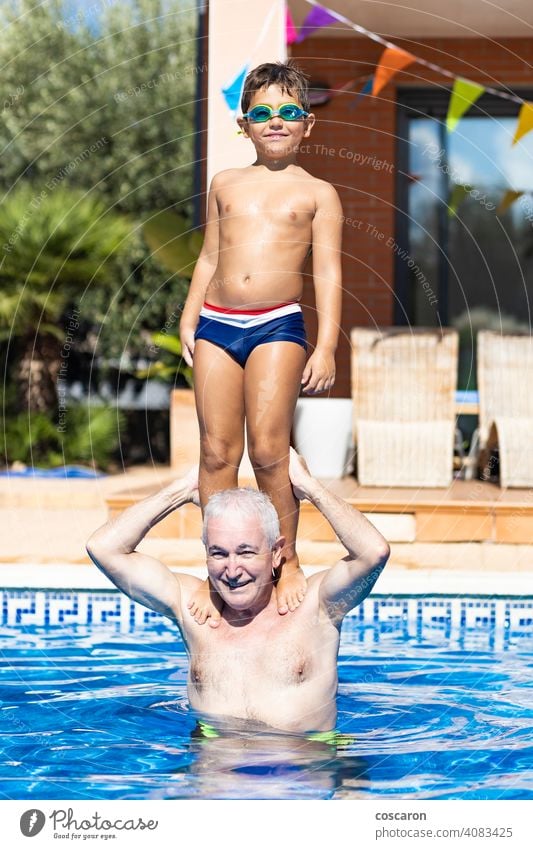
[[248, 503]]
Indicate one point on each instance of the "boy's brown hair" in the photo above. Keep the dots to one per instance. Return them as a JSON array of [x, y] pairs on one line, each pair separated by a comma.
[[290, 79]]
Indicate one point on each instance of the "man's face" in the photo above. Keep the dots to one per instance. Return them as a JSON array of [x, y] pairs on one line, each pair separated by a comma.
[[276, 138], [239, 560]]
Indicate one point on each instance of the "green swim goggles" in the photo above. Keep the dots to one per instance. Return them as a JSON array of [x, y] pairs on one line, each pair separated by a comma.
[[287, 112]]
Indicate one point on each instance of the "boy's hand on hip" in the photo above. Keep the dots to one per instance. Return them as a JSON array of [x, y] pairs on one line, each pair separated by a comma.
[[187, 344], [319, 373]]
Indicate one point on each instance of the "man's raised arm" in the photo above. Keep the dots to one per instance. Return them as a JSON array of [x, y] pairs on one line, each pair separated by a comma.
[[141, 577], [347, 583]]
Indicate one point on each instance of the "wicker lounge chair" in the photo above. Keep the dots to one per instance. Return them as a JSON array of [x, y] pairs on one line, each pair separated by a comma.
[[403, 385], [505, 384]]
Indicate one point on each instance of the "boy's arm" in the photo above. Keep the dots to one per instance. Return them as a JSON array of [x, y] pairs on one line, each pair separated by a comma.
[[319, 372], [347, 583], [203, 272], [143, 578]]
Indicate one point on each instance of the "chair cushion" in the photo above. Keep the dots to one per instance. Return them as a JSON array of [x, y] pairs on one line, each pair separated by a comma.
[[404, 453]]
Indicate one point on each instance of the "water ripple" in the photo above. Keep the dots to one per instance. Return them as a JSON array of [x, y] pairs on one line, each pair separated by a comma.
[[97, 716]]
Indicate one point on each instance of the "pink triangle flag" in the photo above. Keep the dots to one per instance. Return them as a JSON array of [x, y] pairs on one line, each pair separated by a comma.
[[290, 30]]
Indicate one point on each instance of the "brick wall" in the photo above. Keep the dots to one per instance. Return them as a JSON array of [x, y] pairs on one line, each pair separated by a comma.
[[347, 146]]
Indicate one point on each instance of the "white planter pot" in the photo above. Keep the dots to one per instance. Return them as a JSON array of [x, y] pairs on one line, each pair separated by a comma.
[[323, 435]]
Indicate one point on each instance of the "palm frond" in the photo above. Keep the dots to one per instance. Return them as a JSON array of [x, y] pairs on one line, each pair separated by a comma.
[[52, 248]]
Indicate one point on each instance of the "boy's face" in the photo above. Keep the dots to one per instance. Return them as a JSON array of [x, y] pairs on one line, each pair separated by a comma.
[[275, 138]]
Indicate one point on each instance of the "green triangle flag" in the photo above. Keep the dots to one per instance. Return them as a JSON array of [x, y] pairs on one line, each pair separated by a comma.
[[457, 196], [464, 94]]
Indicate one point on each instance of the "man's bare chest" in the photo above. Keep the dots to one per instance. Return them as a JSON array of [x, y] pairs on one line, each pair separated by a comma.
[[237, 661]]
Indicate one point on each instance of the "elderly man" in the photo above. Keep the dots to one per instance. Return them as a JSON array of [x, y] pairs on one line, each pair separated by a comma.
[[255, 665]]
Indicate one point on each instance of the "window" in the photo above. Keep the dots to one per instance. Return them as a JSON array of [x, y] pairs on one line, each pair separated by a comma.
[[460, 260]]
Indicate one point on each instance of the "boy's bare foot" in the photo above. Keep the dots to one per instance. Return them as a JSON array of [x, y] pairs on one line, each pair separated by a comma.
[[206, 606], [291, 587]]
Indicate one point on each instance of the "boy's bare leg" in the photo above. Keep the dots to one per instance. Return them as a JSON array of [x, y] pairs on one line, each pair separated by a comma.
[[272, 377], [218, 389]]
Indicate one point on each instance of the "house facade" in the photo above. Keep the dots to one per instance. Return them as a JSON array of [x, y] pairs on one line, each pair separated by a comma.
[[432, 234]]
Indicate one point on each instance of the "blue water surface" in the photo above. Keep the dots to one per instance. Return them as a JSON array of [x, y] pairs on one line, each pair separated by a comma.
[[89, 713]]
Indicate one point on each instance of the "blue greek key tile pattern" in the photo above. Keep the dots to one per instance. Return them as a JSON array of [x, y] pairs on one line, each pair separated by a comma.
[[490, 622], [73, 607]]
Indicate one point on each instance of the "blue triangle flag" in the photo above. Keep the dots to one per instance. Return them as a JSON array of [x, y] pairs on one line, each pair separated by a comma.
[[232, 92], [367, 88]]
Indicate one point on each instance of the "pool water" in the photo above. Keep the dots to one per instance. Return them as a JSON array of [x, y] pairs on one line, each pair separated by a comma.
[[434, 703]]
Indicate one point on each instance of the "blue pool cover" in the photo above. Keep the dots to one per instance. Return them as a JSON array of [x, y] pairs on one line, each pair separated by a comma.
[[59, 472]]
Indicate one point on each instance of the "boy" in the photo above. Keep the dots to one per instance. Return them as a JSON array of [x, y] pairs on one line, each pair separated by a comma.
[[242, 318]]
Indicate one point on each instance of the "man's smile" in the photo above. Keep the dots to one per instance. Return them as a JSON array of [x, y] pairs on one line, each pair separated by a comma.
[[235, 583]]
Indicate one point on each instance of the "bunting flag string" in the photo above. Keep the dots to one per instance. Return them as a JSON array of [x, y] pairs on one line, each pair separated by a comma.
[[393, 59], [380, 40], [324, 16]]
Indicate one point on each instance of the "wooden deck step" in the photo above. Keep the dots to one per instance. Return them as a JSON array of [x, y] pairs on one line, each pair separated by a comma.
[[467, 511]]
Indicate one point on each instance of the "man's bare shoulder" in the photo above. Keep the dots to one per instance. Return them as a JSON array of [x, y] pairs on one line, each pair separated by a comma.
[[188, 585], [312, 606], [314, 580]]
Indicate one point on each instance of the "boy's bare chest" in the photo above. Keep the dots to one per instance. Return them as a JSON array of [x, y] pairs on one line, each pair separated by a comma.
[[246, 207]]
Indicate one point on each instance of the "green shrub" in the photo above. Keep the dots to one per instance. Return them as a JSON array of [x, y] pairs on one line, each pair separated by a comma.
[[88, 435]]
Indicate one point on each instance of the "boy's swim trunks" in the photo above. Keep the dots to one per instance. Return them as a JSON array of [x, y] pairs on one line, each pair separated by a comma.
[[240, 331]]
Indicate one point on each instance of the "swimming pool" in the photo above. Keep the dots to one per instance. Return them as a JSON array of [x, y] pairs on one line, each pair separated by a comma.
[[434, 703]]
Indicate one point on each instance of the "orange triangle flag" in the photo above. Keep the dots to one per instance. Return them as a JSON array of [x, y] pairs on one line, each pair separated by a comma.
[[507, 200], [393, 59], [525, 121]]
